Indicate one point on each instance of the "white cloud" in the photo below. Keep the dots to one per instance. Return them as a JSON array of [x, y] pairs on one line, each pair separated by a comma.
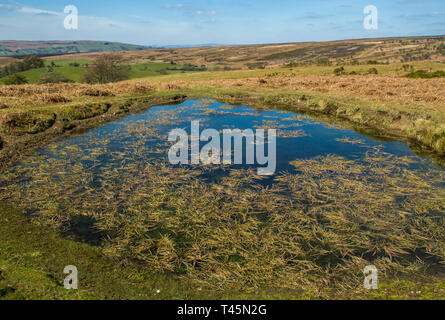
[[192, 11], [176, 6], [212, 20], [24, 9]]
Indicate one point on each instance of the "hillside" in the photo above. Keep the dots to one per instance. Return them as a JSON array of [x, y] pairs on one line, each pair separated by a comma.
[[396, 53], [47, 48], [361, 51]]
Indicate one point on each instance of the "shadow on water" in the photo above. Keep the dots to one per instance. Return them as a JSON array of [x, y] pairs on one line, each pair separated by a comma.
[[83, 229]]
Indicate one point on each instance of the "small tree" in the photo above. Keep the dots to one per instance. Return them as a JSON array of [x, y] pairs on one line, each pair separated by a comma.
[[32, 62], [15, 79], [373, 71], [339, 71], [107, 68]]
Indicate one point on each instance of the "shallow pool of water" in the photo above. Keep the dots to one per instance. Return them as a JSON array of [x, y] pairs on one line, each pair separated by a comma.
[[298, 136], [338, 199]]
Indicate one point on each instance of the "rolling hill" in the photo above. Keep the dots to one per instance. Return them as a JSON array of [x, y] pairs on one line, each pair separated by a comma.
[[49, 48], [356, 51]]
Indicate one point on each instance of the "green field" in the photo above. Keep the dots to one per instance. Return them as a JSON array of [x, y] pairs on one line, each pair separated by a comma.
[[67, 62], [66, 68], [73, 73], [143, 70]]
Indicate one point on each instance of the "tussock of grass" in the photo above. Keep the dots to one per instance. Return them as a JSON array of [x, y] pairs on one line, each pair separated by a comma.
[[84, 111], [22, 122]]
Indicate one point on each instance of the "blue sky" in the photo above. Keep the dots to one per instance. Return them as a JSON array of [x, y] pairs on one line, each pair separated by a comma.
[[176, 22]]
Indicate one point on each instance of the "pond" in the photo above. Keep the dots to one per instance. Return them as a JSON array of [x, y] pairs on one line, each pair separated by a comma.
[[338, 200]]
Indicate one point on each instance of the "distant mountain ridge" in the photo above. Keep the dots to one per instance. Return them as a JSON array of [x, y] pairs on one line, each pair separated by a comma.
[[12, 48], [203, 45]]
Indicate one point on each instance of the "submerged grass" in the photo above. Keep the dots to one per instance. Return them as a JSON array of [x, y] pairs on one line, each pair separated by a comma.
[[32, 260]]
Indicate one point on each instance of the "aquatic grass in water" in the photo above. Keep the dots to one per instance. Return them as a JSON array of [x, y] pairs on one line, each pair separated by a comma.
[[340, 201]]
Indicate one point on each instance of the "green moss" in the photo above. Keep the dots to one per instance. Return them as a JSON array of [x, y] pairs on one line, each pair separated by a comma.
[[125, 106], [409, 290], [85, 111], [23, 283]]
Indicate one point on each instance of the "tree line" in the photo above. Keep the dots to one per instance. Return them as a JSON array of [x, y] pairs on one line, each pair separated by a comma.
[[28, 63]]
